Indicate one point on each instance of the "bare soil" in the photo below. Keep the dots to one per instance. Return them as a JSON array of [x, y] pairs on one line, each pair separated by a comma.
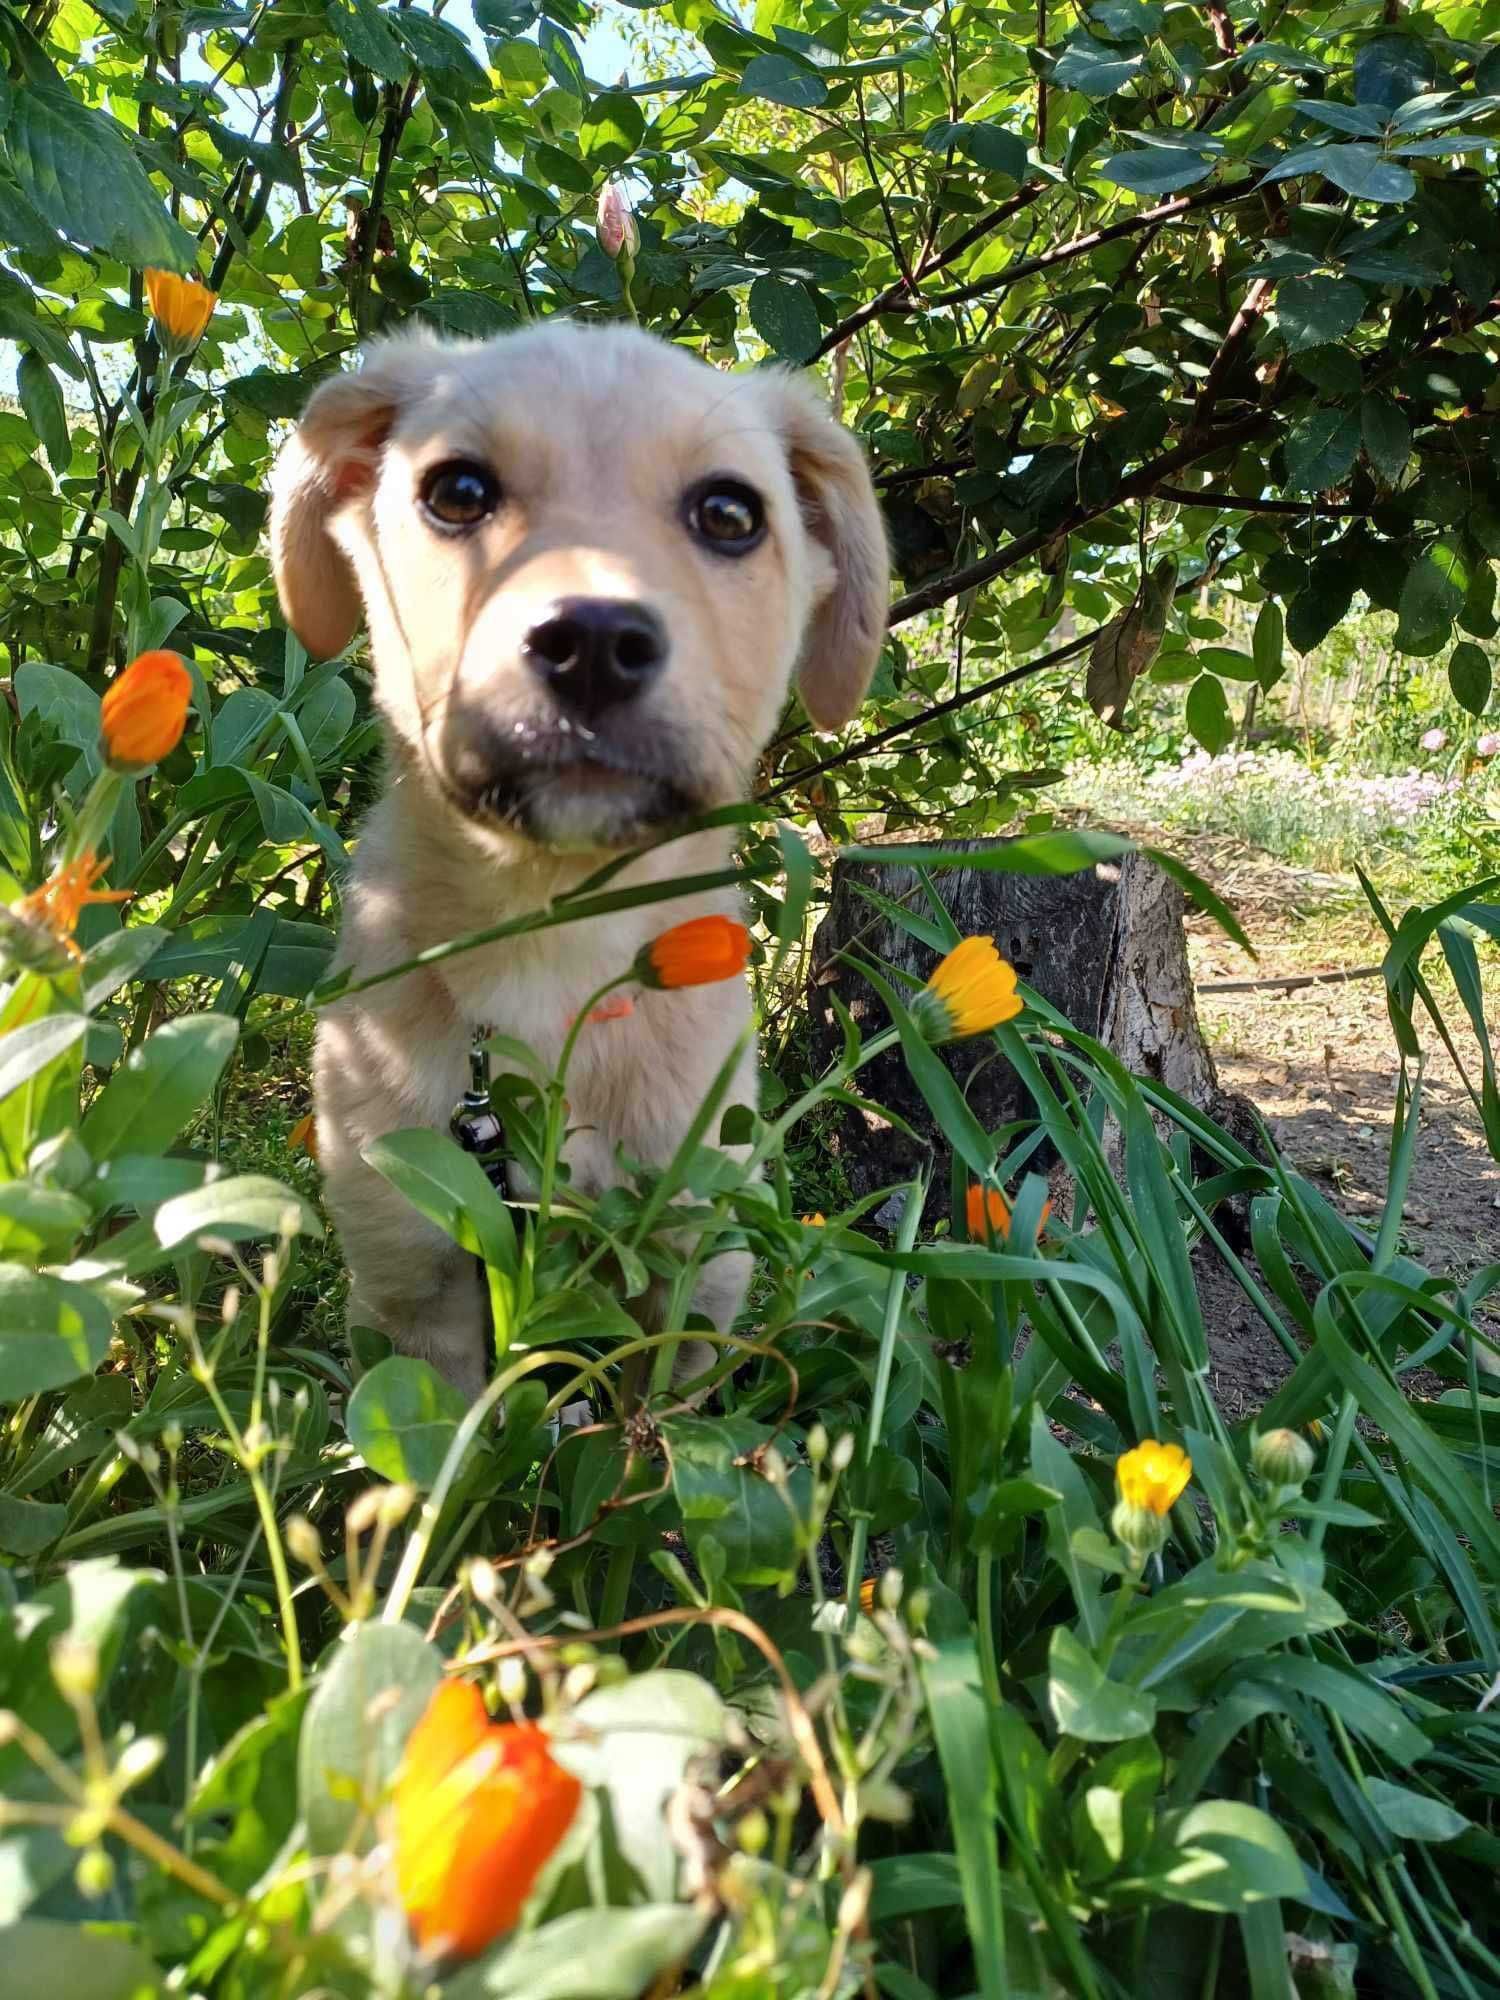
[[1320, 1064]]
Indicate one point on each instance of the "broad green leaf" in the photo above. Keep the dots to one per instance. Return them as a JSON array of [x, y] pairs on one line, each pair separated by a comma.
[[26, 1051], [599, 1954], [783, 81], [448, 1186], [613, 127], [724, 1496], [1359, 169], [1268, 642], [635, 1742], [51, 1332], [1413, 1815], [1085, 1702], [41, 1954], [1156, 170], [148, 1100], [378, 1681], [241, 1207], [1320, 450], [402, 1420], [1222, 1855], [1435, 588], [76, 165], [42, 401], [1312, 311], [785, 318], [1387, 435], [1470, 676], [1208, 715]]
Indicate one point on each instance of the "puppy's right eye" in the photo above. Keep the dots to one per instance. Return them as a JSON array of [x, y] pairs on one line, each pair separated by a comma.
[[458, 495]]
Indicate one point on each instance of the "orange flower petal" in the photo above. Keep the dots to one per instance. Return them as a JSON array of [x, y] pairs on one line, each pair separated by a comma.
[[696, 953], [142, 717]]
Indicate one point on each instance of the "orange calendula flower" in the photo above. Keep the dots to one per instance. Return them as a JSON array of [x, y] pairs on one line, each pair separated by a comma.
[[142, 717], [1153, 1476], [697, 953], [480, 1808], [181, 307], [817, 1220], [55, 908], [972, 990], [987, 1213], [304, 1136], [867, 1595]]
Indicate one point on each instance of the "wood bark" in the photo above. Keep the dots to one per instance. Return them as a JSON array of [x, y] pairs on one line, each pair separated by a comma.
[[1106, 947]]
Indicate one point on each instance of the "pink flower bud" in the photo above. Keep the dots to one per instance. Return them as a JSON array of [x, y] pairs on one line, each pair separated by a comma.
[[617, 225], [1434, 739], [1488, 745]]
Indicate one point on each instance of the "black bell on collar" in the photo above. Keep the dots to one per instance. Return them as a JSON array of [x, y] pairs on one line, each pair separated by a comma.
[[474, 1123]]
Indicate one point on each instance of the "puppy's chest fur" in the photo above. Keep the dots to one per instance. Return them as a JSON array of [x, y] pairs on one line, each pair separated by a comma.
[[634, 1083]]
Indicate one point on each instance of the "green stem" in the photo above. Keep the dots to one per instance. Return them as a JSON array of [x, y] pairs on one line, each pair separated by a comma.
[[617, 1586], [989, 1658]]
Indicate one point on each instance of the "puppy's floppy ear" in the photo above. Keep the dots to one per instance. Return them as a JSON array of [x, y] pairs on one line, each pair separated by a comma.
[[842, 515], [330, 462]]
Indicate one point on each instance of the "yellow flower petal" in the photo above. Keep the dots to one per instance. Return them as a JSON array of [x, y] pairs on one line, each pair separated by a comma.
[[1153, 1475], [971, 991]]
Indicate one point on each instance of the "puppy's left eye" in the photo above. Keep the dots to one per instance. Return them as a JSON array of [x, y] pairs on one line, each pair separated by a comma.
[[726, 516], [459, 495]]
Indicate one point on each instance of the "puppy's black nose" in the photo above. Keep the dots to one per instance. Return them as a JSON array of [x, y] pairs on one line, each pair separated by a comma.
[[596, 651]]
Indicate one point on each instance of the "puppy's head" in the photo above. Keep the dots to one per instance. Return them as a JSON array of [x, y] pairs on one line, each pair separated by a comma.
[[589, 565]]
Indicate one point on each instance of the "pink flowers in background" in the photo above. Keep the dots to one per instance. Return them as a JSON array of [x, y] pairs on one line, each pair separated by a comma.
[[1433, 740], [1488, 745], [618, 229]]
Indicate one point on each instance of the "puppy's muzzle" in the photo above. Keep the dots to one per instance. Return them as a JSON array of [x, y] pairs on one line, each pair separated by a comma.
[[594, 653]]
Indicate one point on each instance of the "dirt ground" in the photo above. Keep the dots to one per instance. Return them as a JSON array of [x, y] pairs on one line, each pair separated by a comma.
[[1320, 1064]]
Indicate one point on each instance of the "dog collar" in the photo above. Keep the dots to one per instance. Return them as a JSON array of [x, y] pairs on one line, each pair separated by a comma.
[[475, 1124]]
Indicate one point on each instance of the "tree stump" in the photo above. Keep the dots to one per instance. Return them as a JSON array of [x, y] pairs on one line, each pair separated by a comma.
[[1105, 946]]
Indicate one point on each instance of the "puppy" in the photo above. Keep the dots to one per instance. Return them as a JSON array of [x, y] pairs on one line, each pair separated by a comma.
[[589, 565]]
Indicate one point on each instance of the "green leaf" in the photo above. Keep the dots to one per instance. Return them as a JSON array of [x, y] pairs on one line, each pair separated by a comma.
[[42, 401], [1435, 588], [1268, 642], [41, 1955], [1387, 436], [1085, 1702], [379, 1680], [365, 31], [1208, 715], [635, 1741], [726, 1498], [1320, 450], [448, 1186], [613, 127], [403, 1417], [51, 1332], [29, 1526], [782, 81], [1414, 1815], [1221, 1855], [78, 169], [26, 1051], [1156, 170], [987, 145], [785, 318], [957, 1712], [1313, 311], [441, 53], [148, 1100], [242, 1207], [1359, 169], [563, 63], [600, 1954], [1470, 677]]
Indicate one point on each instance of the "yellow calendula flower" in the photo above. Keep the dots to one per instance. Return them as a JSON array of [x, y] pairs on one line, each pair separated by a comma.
[[972, 990], [1153, 1476], [181, 307], [144, 712]]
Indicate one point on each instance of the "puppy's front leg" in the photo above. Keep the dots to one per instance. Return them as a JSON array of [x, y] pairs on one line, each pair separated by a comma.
[[407, 1279]]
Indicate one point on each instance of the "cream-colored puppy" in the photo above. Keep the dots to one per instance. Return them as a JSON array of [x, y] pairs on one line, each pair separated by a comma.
[[589, 565]]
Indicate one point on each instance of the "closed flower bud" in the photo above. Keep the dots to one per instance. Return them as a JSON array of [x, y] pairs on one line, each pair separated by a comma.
[[95, 1874], [181, 307], [696, 953], [143, 715], [617, 225], [1139, 1530], [1282, 1457]]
